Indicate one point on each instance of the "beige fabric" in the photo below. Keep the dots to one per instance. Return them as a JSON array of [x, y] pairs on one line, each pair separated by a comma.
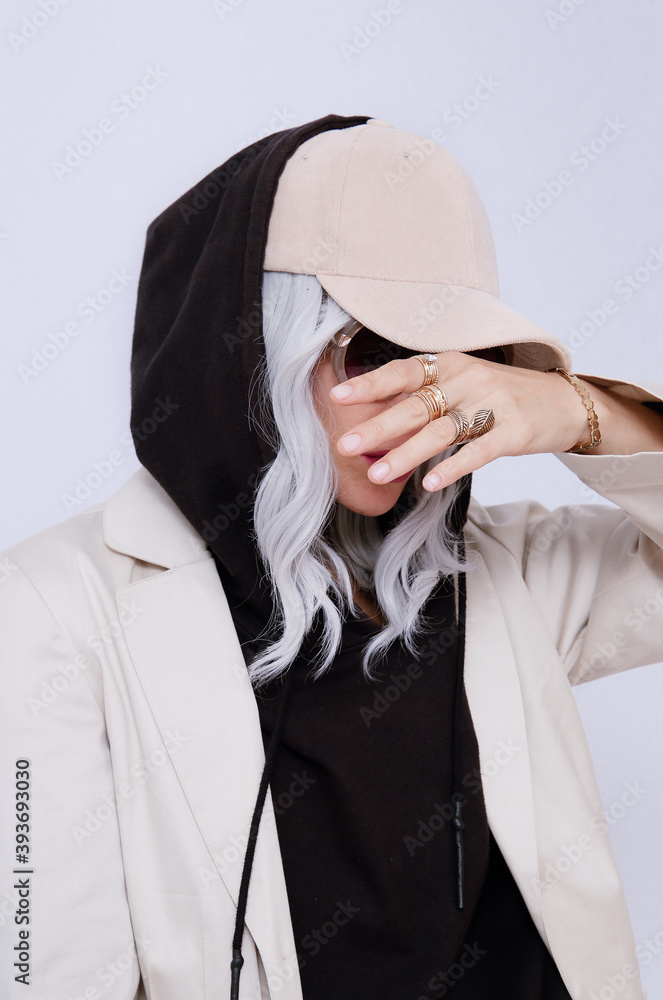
[[124, 684], [394, 230]]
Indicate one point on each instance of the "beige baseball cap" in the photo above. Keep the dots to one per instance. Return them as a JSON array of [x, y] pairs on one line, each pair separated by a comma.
[[394, 230]]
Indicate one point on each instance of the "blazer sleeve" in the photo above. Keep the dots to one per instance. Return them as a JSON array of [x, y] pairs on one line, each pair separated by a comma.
[[596, 571], [64, 920]]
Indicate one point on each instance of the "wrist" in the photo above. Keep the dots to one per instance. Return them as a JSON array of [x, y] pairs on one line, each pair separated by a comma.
[[584, 431], [628, 426]]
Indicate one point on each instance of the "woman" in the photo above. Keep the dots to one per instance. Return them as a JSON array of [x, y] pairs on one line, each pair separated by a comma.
[[226, 624]]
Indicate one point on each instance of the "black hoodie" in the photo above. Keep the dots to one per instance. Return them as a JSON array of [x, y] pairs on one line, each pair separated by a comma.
[[198, 339]]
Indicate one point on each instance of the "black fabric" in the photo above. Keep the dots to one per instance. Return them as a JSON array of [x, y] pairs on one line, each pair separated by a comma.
[[198, 344], [362, 789]]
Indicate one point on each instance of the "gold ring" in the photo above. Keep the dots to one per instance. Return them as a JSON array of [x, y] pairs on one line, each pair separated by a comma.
[[459, 418], [435, 399], [432, 372], [482, 422]]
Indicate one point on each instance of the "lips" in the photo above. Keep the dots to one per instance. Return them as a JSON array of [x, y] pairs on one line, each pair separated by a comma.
[[374, 454]]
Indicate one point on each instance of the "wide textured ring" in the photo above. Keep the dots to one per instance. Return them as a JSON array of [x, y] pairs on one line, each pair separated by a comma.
[[482, 422], [432, 372], [459, 417], [435, 399]]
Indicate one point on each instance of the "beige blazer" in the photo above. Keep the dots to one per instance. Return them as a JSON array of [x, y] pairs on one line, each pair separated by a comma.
[[128, 712]]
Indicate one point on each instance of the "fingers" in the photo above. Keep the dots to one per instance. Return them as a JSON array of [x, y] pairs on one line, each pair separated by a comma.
[[401, 375], [407, 416], [463, 380], [433, 438], [473, 455]]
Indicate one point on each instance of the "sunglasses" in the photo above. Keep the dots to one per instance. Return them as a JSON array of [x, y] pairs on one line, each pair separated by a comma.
[[357, 350]]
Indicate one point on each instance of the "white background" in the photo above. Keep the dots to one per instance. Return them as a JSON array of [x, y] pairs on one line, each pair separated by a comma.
[[231, 72]]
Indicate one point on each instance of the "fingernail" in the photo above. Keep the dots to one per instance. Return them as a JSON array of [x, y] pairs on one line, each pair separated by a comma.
[[380, 470], [342, 391], [432, 481], [351, 442]]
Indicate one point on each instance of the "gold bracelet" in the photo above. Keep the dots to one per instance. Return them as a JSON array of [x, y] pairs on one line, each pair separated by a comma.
[[595, 433]]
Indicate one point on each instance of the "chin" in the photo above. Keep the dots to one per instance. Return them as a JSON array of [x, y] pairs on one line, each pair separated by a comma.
[[373, 501]]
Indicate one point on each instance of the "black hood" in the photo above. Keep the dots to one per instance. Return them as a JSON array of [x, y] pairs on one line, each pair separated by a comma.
[[198, 341]]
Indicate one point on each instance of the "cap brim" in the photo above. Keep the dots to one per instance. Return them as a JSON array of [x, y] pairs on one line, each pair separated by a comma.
[[432, 318]]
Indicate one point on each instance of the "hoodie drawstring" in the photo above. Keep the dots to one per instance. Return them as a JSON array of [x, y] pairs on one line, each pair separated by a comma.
[[237, 959], [458, 823]]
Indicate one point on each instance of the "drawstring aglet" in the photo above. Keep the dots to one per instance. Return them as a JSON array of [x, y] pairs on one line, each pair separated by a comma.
[[235, 966]]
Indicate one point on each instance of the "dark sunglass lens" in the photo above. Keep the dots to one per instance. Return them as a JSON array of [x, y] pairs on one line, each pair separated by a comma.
[[368, 351], [495, 354]]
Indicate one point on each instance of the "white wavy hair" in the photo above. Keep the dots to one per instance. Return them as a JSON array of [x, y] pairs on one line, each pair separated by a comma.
[[301, 531]]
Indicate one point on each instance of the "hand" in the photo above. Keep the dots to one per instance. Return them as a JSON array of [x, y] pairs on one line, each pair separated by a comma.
[[534, 412]]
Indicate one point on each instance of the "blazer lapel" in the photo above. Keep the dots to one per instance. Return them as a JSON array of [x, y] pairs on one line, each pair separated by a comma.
[[496, 705], [187, 655]]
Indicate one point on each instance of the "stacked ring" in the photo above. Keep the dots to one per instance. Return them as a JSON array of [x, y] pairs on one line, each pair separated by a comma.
[[435, 399], [459, 418], [432, 372]]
